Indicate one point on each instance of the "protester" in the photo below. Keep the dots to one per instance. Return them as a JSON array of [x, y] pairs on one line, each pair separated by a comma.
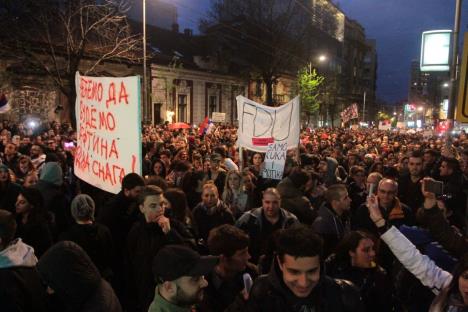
[[32, 221], [262, 223], [179, 272], [296, 281], [20, 285], [211, 212], [70, 275], [93, 237]]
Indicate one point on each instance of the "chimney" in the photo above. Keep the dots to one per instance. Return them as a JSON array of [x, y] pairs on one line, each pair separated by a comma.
[[175, 27], [188, 32]]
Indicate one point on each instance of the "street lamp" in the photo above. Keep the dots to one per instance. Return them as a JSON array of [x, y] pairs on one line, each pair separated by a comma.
[[420, 108], [322, 58], [445, 85]]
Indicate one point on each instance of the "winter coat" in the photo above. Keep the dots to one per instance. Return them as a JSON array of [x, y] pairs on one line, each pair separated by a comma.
[[96, 240], [269, 294], [207, 219], [8, 194], [143, 243], [68, 270], [331, 227], [294, 201], [251, 222], [50, 185], [35, 234], [20, 285], [374, 284]]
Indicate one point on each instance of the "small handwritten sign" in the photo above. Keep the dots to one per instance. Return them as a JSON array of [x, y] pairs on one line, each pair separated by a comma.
[[275, 159]]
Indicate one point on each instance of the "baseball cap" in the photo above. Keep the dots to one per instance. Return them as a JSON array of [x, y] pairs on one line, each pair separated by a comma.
[[175, 261]]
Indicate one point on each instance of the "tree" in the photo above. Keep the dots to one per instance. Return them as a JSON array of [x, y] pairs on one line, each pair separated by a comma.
[[308, 84], [262, 39], [60, 37]]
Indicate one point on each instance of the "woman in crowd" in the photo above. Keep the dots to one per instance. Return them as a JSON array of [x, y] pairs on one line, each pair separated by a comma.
[[257, 164], [32, 220], [354, 260], [216, 173], [157, 169], [234, 195], [23, 167]]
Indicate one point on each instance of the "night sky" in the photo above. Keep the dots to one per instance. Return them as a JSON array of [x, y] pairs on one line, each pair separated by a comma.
[[395, 24]]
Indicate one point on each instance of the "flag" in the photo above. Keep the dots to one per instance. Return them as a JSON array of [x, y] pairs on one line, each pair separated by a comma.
[[4, 104], [205, 126], [350, 112]]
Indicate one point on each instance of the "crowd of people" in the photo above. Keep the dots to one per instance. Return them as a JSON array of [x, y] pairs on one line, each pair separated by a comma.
[[362, 220]]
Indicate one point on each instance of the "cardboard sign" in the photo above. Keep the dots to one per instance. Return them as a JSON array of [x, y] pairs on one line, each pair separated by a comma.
[[260, 125], [275, 158], [108, 130], [218, 117]]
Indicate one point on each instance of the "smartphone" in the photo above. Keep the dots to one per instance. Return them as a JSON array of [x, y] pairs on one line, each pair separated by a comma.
[[436, 187], [247, 282], [68, 145], [371, 189]]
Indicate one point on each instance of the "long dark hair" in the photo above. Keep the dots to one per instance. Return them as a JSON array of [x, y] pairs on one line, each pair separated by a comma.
[[350, 243], [34, 197], [179, 205], [461, 267]]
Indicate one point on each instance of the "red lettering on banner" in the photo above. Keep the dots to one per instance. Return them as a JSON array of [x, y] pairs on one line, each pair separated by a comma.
[[262, 141], [123, 93], [90, 89], [106, 121], [111, 95], [113, 150]]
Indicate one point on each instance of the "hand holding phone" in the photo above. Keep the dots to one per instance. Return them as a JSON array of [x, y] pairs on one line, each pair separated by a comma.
[[247, 282]]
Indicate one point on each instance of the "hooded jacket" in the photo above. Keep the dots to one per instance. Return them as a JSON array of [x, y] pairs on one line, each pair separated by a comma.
[[294, 201], [331, 178], [50, 185], [270, 294], [20, 285], [69, 271]]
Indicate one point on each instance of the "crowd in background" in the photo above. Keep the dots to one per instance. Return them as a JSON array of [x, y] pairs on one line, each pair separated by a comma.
[[367, 197]]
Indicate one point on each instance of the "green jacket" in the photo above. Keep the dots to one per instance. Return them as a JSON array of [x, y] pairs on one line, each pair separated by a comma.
[[160, 304]]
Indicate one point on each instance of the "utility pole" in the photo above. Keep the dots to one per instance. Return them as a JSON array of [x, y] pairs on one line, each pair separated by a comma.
[[454, 67]]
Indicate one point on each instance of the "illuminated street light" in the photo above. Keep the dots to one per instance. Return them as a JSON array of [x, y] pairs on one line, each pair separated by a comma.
[[420, 108], [445, 85], [394, 113], [322, 58]]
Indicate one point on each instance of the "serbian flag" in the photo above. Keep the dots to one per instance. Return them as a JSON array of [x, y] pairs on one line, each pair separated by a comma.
[[4, 105], [203, 126]]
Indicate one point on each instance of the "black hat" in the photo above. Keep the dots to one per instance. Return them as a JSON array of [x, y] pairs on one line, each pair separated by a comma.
[[175, 261]]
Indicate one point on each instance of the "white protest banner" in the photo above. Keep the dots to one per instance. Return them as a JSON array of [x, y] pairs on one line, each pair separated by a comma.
[[218, 117], [260, 125], [108, 130], [275, 159]]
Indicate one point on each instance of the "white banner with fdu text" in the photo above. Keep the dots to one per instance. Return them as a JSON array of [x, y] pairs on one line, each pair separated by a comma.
[[108, 130], [260, 125]]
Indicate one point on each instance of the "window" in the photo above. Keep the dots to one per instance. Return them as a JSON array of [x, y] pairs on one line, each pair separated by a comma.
[[212, 105], [182, 108]]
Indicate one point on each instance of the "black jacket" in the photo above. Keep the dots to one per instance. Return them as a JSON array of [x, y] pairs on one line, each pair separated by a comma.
[[35, 234], [206, 219], [96, 240], [143, 243], [270, 294], [294, 201], [68, 270], [375, 286]]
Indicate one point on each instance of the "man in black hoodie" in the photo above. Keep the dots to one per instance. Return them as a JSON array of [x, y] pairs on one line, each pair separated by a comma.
[[296, 284]]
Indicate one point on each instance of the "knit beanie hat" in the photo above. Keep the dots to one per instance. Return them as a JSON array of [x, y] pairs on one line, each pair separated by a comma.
[[83, 207]]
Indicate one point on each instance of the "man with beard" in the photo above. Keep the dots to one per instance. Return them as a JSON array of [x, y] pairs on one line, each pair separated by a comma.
[[179, 272], [409, 186], [296, 282]]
